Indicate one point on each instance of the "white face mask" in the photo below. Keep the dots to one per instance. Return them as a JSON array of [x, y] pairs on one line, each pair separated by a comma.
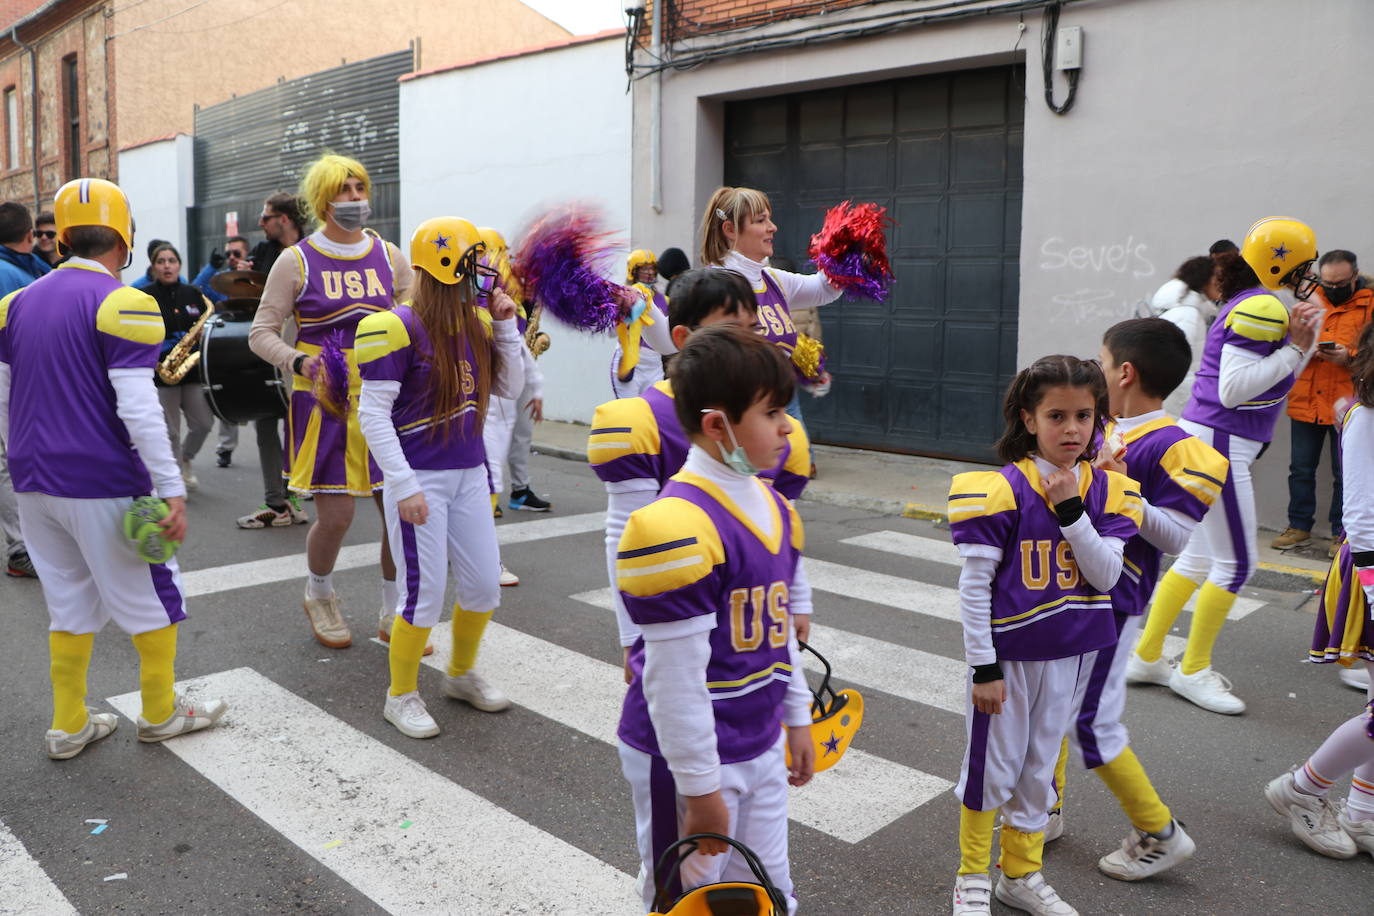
[[735, 458], [350, 215]]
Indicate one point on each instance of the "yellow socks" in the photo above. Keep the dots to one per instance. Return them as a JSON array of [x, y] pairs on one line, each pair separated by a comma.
[[975, 840], [407, 645], [1061, 771], [1171, 595], [1133, 789], [468, 627], [70, 656], [1213, 604], [157, 652], [1022, 853]]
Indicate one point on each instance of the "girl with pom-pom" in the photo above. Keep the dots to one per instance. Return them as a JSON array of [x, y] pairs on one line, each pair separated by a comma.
[[737, 234], [327, 283]]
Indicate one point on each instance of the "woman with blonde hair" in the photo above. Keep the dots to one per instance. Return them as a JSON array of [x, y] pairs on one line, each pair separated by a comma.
[[430, 368], [737, 234], [327, 283]]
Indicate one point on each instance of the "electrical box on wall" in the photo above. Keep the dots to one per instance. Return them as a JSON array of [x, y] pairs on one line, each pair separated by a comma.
[[1068, 48]]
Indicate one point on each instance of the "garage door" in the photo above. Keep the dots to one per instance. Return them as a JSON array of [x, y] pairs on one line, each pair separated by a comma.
[[923, 372]]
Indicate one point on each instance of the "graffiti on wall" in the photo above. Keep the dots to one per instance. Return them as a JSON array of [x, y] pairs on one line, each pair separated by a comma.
[[1101, 283]]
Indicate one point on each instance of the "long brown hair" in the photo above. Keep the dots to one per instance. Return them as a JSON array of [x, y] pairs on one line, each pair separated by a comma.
[[451, 317], [1027, 390], [1362, 366]]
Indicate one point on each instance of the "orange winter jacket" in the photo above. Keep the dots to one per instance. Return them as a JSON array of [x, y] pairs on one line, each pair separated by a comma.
[[1321, 384]]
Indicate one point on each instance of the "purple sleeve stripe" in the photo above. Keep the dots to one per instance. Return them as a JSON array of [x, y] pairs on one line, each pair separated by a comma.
[[139, 312], [369, 334], [627, 467], [611, 429], [1209, 477], [968, 496], [1252, 316], [656, 548]]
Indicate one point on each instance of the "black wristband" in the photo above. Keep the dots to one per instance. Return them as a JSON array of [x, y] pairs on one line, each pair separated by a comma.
[[297, 363], [1363, 557], [1069, 511], [986, 674]]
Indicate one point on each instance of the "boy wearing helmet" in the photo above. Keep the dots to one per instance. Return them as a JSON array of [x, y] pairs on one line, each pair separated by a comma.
[[75, 479], [1254, 351], [429, 368]]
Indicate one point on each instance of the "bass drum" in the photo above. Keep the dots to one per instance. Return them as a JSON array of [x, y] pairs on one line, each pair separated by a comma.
[[239, 384]]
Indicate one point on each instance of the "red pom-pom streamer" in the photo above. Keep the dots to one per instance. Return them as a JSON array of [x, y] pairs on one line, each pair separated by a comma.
[[851, 249], [559, 264]]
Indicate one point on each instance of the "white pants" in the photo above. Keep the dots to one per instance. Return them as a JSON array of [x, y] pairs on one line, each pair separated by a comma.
[[1009, 762], [190, 400], [90, 573], [459, 532], [507, 434], [755, 794], [1098, 735], [1224, 546], [648, 372]]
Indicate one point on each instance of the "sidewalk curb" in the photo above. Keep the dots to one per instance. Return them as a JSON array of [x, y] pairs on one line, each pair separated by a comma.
[[1277, 576]]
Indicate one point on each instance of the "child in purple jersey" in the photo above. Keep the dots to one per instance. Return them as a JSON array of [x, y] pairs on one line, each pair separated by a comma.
[[1042, 542], [429, 368], [1344, 632], [708, 572], [636, 444], [1180, 477], [1253, 351]]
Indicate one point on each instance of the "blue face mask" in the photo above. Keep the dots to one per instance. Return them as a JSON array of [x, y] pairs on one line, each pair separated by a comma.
[[735, 458]]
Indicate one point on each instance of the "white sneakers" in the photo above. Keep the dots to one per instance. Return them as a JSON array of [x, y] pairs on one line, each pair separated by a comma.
[[188, 476], [186, 717], [472, 689], [1356, 678], [64, 745], [326, 621], [1139, 671], [385, 621], [1144, 854], [1207, 689], [508, 578], [1054, 827], [408, 713], [1313, 819], [1361, 832], [1033, 894], [972, 895]]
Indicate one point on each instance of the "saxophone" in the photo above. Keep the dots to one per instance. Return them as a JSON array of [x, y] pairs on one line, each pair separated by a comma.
[[537, 340], [185, 356]]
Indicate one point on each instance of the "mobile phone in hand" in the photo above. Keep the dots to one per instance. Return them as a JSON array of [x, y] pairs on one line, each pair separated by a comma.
[[1326, 345]]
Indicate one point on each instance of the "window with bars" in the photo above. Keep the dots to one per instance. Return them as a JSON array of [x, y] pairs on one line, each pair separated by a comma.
[[11, 128], [71, 97]]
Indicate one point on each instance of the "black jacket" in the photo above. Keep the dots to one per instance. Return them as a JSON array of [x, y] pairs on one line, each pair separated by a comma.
[[182, 306]]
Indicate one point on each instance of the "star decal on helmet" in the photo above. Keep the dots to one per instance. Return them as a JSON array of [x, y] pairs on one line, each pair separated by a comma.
[[1281, 252], [832, 746], [440, 242]]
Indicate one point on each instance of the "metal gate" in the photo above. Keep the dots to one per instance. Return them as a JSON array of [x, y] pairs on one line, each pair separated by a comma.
[[925, 371], [251, 147]]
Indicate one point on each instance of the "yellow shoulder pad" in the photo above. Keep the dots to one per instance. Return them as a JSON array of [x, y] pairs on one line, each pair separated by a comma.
[[667, 545], [625, 426], [976, 493], [131, 314], [798, 531], [5, 307], [379, 334], [799, 456], [1197, 467], [1259, 318], [1123, 497]]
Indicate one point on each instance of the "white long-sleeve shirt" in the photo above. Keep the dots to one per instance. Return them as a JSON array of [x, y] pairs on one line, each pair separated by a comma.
[[802, 291]]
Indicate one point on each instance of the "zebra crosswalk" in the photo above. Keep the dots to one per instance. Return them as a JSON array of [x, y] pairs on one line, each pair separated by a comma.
[[390, 824]]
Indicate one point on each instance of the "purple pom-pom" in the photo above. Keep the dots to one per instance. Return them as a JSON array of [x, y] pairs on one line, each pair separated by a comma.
[[331, 377], [558, 262], [860, 279]]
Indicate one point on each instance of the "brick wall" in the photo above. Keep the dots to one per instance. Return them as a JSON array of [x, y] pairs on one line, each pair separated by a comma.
[[698, 17], [11, 11]]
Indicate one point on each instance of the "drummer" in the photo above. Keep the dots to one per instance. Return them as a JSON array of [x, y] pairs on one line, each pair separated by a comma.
[[328, 282], [235, 258]]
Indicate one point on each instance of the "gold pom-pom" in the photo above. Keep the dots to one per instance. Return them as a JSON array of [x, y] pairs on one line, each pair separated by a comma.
[[808, 356]]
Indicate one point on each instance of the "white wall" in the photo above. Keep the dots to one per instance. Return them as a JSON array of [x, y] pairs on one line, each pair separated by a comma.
[[1192, 121], [159, 180], [498, 142]]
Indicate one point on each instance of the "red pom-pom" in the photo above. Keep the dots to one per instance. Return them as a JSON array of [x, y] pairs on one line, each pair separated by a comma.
[[851, 249]]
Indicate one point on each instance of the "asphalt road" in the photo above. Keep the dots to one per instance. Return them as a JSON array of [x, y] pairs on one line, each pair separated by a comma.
[[306, 800]]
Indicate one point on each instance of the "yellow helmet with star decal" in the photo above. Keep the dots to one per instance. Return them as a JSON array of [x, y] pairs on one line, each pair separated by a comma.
[[1281, 250], [759, 897], [447, 248], [835, 717]]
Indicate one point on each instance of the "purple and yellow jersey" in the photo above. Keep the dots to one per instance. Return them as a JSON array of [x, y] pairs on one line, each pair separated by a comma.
[[61, 335], [336, 293], [692, 553], [1175, 471], [641, 438], [1256, 321], [775, 318], [1042, 608], [394, 347]]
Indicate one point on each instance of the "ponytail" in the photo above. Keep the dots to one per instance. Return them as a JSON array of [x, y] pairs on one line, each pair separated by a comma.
[[728, 205]]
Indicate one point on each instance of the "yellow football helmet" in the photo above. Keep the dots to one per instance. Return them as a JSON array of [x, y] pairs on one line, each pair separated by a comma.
[[640, 257], [498, 256], [835, 718], [448, 248], [93, 202], [1280, 250], [728, 898]]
